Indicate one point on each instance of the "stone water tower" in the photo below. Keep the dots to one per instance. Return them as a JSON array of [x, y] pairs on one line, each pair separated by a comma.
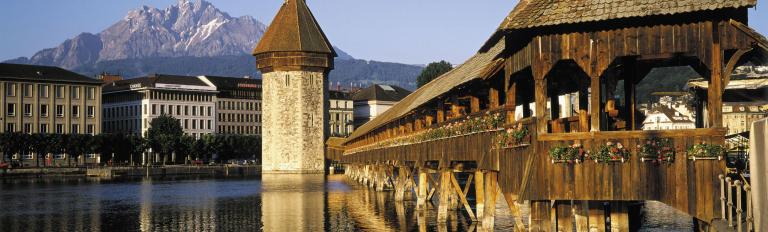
[[294, 57]]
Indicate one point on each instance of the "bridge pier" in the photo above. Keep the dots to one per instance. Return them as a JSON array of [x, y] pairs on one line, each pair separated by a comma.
[[491, 194], [421, 198], [445, 191]]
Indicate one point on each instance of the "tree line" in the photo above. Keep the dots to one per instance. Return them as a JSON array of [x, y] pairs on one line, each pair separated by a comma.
[[165, 138]]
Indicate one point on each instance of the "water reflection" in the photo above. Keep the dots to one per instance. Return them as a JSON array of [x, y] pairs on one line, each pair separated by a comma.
[[269, 203]]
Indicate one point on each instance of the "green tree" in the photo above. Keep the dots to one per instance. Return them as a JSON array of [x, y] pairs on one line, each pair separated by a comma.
[[42, 144], [138, 145], [163, 135], [76, 145], [432, 71], [185, 146], [7, 144]]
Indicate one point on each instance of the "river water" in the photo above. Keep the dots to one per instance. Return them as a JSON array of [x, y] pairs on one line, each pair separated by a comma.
[[266, 203]]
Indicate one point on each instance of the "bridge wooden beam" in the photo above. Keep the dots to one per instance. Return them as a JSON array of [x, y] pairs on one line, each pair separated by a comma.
[[491, 194], [421, 198]]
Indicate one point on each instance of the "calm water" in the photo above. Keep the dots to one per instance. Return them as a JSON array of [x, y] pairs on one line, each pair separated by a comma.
[[268, 203]]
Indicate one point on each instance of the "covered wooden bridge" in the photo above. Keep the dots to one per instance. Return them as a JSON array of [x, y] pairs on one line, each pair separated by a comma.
[[546, 114]]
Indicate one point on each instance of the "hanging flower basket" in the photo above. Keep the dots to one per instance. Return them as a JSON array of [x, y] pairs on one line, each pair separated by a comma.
[[657, 150], [611, 152], [568, 154], [515, 137], [705, 151]]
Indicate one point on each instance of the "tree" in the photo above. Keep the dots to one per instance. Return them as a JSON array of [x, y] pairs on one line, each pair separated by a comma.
[[75, 145], [163, 135], [185, 146], [138, 145], [432, 71], [42, 144]]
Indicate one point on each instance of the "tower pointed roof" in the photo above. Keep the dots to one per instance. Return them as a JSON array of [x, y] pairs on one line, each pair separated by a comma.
[[294, 29]]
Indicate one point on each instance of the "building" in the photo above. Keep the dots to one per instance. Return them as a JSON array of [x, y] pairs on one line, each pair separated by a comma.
[[130, 105], [43, 99], [341, 113], [295, 57], [745, 99], [374, 100], [665, 118], [238, 105]]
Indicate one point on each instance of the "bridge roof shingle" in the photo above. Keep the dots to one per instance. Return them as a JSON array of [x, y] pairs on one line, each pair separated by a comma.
[[475, 68]]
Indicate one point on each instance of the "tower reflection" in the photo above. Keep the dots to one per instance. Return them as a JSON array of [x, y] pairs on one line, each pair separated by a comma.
[[296, 202]]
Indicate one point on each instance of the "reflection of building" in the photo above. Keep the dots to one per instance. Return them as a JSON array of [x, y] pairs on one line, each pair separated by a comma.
[[341, 113], [43, 99], [293, 202], [238, 105], [130, 105], [664, 118], [372, 101]]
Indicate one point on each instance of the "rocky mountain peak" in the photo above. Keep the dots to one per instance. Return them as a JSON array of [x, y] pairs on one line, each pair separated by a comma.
[[189, 28]]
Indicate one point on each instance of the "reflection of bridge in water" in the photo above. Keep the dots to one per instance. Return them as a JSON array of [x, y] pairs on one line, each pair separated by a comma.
[[546, 115]]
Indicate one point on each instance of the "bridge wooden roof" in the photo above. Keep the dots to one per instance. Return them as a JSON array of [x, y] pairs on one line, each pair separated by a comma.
[[294, 29], [477, 67], [539, 13]]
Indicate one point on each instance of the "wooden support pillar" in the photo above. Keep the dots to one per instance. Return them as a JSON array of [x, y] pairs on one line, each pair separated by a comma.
[[541, 106], [491, 193], [440, 111], [445, 193], [596, 216], [462, 197], [493, 98], [619, 216], [455, 108], [564, 215], [474, 104], [540, 216], [581, 215], [511, 102], [515, 210], [421, 200], [594, 103], [479, 193], [715, 91]]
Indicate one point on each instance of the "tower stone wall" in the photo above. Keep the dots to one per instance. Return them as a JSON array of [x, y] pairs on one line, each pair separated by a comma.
[[294, 121]]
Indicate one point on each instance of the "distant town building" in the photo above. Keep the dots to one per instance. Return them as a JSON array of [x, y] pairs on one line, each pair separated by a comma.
[[738, 118], [372, 101], [341, 113], [43, 99], [665, 118], [238, 105], [745, 99], [130, 105], [108, 78]]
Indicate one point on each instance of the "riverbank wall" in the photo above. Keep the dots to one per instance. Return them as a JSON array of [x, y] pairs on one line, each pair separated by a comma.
[[143, 171]]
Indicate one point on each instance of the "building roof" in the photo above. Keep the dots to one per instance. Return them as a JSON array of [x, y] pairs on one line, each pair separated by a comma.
[[231, 83], [42, 73], [673, 115], [156, 80], [477, 67], [294, 29], [381, 93], [339, 95], [539, 13]]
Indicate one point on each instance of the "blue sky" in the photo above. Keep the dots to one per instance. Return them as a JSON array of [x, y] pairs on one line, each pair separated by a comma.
[[405, 31]]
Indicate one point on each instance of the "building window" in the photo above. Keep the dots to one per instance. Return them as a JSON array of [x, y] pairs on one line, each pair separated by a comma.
[[11, 109], [186, 110], [170, 110], [91, 93], [43, 128], [10, 127], [194, 110], [186, 124], [90, 129], [91, 111], [10, 89], [28, 110], [194, 124], [60, 111], [75, 92], [154, 109], [28, 90], [209, 124], [28, 128], [75, 129], [75, 111], [43, 110], [43, 91], [210, 109], [60, 91], [162, 109]]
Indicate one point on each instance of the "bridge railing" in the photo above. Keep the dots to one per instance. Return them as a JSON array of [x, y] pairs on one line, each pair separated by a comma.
[[736, 202]]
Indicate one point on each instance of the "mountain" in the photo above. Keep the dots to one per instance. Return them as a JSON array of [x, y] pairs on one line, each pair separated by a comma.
[[192, 38]]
